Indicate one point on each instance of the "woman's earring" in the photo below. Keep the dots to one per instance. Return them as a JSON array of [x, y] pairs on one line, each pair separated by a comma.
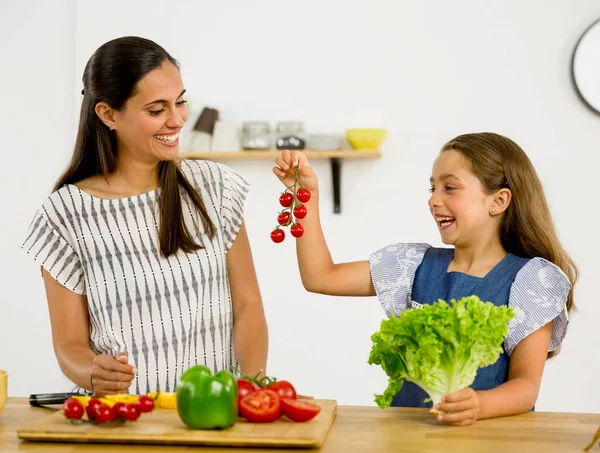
[[493, 210]]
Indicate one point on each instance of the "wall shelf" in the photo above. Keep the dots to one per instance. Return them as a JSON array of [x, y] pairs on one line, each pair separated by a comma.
[[335, 157], [312, 154]]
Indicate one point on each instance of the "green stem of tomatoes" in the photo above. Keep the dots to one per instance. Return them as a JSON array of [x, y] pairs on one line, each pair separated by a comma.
[[265, 381], [294, 201], [294, 192]]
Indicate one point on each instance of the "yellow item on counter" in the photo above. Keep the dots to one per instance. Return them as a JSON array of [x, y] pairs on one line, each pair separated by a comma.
[[164, 400], [83, 400], [109, 400], [124, 398]]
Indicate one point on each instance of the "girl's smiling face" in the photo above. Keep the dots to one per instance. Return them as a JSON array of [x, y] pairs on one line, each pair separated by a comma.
[[458, 203]]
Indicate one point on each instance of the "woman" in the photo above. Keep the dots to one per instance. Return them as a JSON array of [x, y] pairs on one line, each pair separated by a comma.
[[146, 260]]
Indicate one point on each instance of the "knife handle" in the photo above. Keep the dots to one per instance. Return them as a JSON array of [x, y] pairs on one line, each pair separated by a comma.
[[42, 399]]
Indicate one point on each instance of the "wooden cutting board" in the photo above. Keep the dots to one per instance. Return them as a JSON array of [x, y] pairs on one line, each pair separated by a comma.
[[163, 426]]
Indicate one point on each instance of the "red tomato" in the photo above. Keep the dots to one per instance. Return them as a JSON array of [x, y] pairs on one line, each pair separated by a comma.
[[145, 404], [130, 412], [92, 407], [299, 410], [244, 388], [277, 235], [284, 218], [297, 230], [300, 211], [303, 195], [286, 199], [118, 410], [284, 389], [105, 414], [262, 406], [73, 409]]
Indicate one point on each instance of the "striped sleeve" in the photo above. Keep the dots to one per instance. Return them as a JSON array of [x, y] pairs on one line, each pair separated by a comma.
[[44, 243], [538, 295], [234, 192], [393, 270]]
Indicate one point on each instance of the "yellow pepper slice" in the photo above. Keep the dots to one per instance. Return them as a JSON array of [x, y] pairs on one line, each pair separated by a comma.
[[164, 400]]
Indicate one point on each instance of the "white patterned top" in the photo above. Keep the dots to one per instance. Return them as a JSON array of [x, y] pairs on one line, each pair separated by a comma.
[[538, 294], [167, 313]]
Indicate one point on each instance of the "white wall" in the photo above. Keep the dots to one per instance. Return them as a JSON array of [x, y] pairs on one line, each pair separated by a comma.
[[38, 126], [426, 72]]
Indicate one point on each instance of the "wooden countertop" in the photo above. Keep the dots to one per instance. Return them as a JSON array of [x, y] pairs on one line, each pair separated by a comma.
[[367, 429]]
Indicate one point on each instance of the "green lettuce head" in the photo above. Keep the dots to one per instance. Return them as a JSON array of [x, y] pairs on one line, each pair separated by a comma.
[[439, 347]]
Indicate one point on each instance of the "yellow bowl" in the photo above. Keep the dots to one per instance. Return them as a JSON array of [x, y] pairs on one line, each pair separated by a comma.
[[3, 388], [366, 138]]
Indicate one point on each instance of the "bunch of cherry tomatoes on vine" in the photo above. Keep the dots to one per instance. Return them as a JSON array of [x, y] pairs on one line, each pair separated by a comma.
[[292, 200]]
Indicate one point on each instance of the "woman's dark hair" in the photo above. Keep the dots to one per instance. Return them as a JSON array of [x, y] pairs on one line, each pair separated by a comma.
[[112, 75]]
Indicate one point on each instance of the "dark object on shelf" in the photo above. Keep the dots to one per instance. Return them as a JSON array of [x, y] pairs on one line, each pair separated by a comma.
[[206, 121]]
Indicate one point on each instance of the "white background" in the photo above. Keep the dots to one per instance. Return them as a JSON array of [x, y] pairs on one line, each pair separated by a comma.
[[426, 71]]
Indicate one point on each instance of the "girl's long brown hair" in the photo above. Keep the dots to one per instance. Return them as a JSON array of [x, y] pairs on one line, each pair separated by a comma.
[[527, 229], [111, 75]]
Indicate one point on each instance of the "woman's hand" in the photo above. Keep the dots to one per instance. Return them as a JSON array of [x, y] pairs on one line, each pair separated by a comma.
[[459, 408], [287, 161], [110, 374]]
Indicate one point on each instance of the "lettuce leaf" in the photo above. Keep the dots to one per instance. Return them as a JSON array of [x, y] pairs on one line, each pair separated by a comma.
[[439, 347]]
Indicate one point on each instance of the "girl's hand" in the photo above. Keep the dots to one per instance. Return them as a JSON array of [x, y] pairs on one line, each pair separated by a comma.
[[287, 161], [459, 408]]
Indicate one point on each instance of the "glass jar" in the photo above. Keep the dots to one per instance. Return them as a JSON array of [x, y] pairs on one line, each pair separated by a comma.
[[290, 135], [256, 135]]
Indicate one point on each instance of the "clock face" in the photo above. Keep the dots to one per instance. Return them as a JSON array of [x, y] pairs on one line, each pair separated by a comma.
[[586, 67]]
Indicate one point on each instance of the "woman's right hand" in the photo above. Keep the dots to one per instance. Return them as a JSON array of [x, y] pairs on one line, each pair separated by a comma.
[[287, 161], [110, 375]]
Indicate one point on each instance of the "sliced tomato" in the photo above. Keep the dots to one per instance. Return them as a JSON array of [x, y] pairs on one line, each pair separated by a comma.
[[299, 410], [262, 406]]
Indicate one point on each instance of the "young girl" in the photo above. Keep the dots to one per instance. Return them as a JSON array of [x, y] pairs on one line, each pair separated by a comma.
[[488, 203]]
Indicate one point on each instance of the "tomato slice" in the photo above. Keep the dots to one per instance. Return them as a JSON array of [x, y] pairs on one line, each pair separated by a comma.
[[262, 406], [299, 410]]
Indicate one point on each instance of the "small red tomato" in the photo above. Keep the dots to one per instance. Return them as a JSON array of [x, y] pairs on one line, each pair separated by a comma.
[[118, 410], [284, 217], [130, 412], [277, 235], [284, 389], [73, 409], [303, 195], [297, 230], [92, 407], [244, 388], [299, 410], [145, 404], [105, 414], [300, 211], [286, 199]]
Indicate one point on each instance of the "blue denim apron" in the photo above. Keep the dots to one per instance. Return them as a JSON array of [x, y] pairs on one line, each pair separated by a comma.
[[433, 282]]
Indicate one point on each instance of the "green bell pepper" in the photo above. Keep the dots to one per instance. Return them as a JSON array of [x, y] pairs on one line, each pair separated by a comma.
[[205, 401]]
